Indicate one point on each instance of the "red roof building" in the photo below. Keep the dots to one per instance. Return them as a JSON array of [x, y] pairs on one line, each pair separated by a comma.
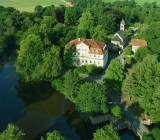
[[136, 43]]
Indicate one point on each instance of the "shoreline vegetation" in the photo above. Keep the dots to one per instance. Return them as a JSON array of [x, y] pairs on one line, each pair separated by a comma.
[[40, 36]]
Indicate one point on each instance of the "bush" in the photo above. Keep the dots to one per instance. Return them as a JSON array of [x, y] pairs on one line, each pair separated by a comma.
[[117, 112], [89, 69], [127, 51]]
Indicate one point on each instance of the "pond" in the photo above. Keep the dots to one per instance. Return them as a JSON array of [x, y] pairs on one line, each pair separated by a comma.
[[37, 108]]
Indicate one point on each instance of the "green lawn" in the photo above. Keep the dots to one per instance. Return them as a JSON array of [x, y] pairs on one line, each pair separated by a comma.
[[138, 1], [28, 5]]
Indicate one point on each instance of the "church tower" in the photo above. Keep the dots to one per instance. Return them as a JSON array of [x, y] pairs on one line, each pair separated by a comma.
[[122, 24]]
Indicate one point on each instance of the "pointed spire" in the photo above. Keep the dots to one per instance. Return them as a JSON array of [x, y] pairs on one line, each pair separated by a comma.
[[122, 21]]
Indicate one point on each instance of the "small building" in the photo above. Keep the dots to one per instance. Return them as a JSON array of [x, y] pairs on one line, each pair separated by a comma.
[[136, 43], [89, 51], [120, 39]]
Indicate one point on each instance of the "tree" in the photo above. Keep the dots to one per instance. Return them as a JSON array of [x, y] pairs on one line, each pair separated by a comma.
[[154, 134], [114, 75], [152, 36], [68, 53], [55, 135], [12, 132], [100, 33], [142, 85], [52, 63], [29, 58], [71, 85], [141, 53], [92, 97], [117, 112], [86, 25], [38, 9], [106, 133]]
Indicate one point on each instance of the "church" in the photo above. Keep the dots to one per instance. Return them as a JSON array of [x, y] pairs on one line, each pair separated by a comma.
[[120, 39]]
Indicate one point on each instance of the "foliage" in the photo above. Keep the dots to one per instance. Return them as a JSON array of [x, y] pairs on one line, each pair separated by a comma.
[[12, 132], [92, 97], [86, 24], [142, 85], [154, 134], [68, 62], [68, 85], [34, 62], [99, 33], [141, 53], [152, 37], [127, 51], [114, 75], [117, 112], [29, 58], [55, 135], [89, 69], [106, 133], [52, 63]]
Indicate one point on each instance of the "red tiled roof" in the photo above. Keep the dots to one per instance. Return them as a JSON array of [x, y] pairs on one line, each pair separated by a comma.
[[97, 45], [139, 42]]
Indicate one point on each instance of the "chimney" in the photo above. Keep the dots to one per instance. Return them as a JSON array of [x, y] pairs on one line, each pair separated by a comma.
[[79, 39]]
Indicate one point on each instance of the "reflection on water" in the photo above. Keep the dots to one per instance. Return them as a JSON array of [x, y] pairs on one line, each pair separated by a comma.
[[37, 108]]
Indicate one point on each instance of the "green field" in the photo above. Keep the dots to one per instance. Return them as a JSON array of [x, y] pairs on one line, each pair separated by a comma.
[[28, 5], [138, 1]]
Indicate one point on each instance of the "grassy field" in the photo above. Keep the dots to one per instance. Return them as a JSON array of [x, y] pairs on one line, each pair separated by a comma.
[[28, 5], [138, 1]]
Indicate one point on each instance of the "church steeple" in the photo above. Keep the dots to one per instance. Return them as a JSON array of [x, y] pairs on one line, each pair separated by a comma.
[[122, 25]]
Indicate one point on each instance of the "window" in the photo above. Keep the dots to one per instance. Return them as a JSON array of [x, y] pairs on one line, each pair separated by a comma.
[[82, 61], [94, 55], [98, 56], [90, 61], [97, 51], [92, 50], [98, 62], [85, 61]]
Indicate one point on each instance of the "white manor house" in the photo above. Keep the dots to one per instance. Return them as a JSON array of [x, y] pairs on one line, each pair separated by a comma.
[[89, 51]]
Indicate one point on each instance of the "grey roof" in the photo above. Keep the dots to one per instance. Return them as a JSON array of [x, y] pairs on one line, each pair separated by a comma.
[[115, 38], [122, 34], [122, 21]]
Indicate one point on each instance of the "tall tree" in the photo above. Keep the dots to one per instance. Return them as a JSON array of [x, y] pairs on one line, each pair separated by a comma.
[[86, 25], [142, 85], [92, 97], [99, 33], [141, 53], [30, 58], [114, 75], [52, 63]]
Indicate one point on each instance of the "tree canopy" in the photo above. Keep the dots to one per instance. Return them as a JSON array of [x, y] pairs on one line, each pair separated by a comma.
[[92, 97], [141, 53], [35, 62], [142, 85], [55, 135], [106, 133], [12, 132], [114, 75]]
